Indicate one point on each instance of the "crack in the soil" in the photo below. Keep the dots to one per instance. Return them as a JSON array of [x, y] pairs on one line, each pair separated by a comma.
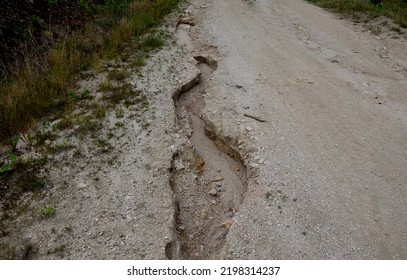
[[209, 178]]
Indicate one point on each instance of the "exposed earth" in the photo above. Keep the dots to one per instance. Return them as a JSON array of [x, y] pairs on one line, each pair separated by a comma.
[[274, 130]]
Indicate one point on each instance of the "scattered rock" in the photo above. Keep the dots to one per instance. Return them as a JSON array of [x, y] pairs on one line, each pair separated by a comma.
[[174, 149], [199, 165], [228, 223], [217, 178], [178, 165], [217, 187], [254, 165], [249, 128], [213, 192], [186, 20]]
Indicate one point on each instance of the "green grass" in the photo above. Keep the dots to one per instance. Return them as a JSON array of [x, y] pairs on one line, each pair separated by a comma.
[[99, 111], [42, 86], [138, 61], [394, 9], [118, 75], [64, 123], [48, 211], [106, 86], [87, 124], [153, 42], [77, 96]]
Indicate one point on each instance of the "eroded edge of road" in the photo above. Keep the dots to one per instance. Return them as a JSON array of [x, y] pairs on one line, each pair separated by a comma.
[[209, 178]]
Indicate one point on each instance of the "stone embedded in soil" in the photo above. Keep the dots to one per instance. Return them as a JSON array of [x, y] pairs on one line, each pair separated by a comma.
[[213, 192], [178, 165], [228, 223], [217, 179], [174, 149]]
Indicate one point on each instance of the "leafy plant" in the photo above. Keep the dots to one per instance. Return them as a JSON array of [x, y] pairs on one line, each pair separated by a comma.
[[47, 127], [4, 168], [35, 19], [52, 2], [10, 165], [12, 142], [83, 95]]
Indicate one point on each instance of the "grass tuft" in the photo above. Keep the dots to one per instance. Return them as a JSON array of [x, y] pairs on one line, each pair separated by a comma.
[[47, 211], [153, 42], [118, 75]]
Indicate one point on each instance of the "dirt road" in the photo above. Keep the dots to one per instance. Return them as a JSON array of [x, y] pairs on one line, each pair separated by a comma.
[[271, 130], [327, 170]]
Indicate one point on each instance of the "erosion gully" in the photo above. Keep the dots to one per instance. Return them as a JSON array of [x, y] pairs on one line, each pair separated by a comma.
[[207, 195]]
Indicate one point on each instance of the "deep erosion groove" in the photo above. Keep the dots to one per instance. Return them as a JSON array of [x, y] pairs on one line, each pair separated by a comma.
[[209, 179]]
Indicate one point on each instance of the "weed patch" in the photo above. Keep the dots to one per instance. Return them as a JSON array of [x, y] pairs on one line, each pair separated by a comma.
[[138, 61], [104, 145], [122, 92], [99, 111], [106, 86], [153, 42], [118, 75], [47, 211], [65, 123], [87, 124], [83, 95]]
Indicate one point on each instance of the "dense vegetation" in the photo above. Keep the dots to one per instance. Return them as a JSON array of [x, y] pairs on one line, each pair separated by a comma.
[[394, 9], [45, 44]]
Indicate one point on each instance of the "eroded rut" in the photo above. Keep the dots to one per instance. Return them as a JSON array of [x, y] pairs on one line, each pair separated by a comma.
[[209, 179]]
